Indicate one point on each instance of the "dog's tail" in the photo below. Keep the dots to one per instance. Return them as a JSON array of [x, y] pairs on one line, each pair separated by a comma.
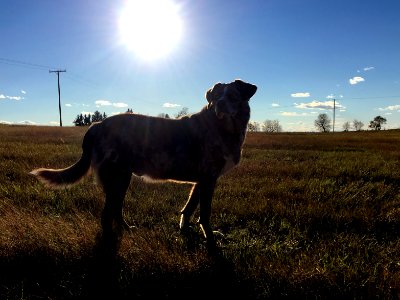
[[58, 178]]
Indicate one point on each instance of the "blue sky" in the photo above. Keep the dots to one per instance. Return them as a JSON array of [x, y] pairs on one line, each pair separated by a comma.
[[300, 54]]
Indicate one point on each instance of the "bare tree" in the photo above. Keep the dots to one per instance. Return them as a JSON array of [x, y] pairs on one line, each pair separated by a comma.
[[163, 115], [323, 123], [346, 126], [271, 126], [253, 126], [183, 112], [377, 123], [358, 125]]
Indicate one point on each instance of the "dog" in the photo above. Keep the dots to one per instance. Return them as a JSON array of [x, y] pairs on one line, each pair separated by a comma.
[[195, 149]]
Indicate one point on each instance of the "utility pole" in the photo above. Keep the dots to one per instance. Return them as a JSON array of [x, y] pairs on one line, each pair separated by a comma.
[[334, 110], [59, 96]]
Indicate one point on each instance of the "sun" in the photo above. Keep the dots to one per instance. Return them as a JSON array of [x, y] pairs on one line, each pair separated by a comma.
[[150, 28]]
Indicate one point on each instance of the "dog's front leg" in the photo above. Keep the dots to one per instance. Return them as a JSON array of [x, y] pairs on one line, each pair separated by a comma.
[[206, 189], [189, 208]]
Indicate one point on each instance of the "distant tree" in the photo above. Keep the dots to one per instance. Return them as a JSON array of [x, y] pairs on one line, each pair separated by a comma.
[[129, 110], [346, 126], [377, 123], [183, 112], [271, 126], [163, 115], [97, 116], [358, 125], [253, 126], [87, 120], [79, 121], [323, 123]]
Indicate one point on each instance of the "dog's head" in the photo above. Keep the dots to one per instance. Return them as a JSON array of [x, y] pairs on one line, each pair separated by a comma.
[[229, 99]]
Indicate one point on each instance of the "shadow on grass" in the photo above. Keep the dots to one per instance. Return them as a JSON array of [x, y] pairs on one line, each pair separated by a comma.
[[100, 273]]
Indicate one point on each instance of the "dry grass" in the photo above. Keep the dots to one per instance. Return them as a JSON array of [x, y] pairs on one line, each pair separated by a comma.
[[303, 215]]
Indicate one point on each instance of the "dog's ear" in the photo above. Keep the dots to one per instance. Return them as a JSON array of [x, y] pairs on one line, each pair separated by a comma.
[[247, 90], [209, 93]]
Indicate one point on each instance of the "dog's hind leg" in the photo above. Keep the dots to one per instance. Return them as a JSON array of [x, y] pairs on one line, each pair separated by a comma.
[[115, 184]]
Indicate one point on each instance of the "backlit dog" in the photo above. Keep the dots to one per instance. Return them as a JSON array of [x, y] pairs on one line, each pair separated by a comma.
[[196, 149]]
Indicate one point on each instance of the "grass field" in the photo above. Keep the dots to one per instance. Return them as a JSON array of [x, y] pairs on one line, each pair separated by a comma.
[[303, 216]]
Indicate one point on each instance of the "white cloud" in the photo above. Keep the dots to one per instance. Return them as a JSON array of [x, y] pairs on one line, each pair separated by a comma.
[[120, 104], [68, 105], [86, 113], [55, 123], [356, 80], [292, 114], [5, 122], [23, 92], [170, 105], [332, 96], [275, 105], [319, 105], [102, 103], [27, 122], [301, 95], [391, 107], [368, 68], [14, 98], [11, 97]]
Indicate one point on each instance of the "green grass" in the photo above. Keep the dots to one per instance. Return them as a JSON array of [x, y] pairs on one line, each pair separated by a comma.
[[303, 216]]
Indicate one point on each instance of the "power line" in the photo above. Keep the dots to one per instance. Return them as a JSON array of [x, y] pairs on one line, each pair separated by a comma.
[[376, 97], [20, 63]]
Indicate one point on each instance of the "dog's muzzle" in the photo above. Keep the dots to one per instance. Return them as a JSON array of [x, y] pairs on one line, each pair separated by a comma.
[[223, 108]]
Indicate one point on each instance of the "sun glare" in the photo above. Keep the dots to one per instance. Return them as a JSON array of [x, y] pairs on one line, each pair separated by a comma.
[[150, 28]]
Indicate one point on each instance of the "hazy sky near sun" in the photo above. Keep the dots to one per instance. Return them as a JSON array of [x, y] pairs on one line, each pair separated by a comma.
[[300, 54]]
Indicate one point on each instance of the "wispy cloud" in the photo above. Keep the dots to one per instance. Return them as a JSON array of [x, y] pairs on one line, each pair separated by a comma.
[[17, 98], [356, 80], [68, 104], [391, 107], [275, 105], [27, 122], [23, 92], [368, 68], [100, 103], [301, 95], [170, 105], [332, 96], [319, 105], [86, 113], [292, 114]]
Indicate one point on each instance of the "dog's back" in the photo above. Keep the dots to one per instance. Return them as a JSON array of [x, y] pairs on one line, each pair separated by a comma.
[[157, 147]]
